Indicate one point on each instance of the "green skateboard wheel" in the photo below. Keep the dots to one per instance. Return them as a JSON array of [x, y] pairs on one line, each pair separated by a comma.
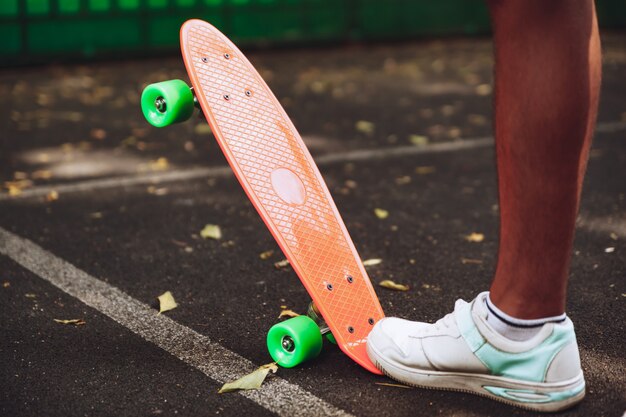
[[331, 338], [294, 341], [167, 102]]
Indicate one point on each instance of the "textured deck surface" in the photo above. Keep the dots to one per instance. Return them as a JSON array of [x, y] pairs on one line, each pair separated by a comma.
[[283, 182]]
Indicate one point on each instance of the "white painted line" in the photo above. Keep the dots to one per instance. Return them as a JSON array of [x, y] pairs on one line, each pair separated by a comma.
[[225, 171], [605, 225], [215, 361], [384, 153], [610, 127], [122, 182]]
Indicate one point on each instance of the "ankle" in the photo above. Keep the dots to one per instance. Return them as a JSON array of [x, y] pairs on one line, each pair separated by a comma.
[[528, 305], [515, 328]]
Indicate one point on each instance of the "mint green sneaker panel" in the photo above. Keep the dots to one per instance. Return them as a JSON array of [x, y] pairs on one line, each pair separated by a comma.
[[529, 396], [468, 329], [531, 365]]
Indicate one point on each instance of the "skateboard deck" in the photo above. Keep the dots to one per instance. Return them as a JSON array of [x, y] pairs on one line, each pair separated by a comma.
[[278, 174]]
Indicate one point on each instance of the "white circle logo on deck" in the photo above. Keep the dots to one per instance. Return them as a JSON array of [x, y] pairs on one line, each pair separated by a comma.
[[288, 186]]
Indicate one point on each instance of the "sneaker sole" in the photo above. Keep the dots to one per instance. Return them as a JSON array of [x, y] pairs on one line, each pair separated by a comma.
[[535, 396]]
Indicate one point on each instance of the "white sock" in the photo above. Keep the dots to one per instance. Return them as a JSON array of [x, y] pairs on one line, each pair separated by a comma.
[[514, 328]]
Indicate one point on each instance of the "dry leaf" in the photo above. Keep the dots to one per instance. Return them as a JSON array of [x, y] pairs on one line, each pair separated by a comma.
[[41, 175], [202, 129], [13, 190], [372, 262], [166, 302], [381, 213], [157, 191], [613, 236], [424, 170], [211, 231], [475, 237], [266, 255], [389, 284], [281, 264], [16, 187], [418, 140], [75, 322], [387, 384], [250, 381], [52, 196], [99, 134], [161, 164], [465, 261], [483, 89], [477, 119], [6, 284], [364, 126], [287, 313]]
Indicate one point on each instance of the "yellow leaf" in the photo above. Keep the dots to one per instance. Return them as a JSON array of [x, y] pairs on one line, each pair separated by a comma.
[[364, 126], [372, 262], [19, 175], [483, 89], [13, 190], [202, 129], [250, 381], [41, 175], [418, 140], [266, 255], [389, 284], [281, 264], [52, 196], [475, 237], [287, 313], [477, 119], [166, 302], [211, 231], [75, 322], [157, 191], [424, 170], [381, 213], [161, 164]]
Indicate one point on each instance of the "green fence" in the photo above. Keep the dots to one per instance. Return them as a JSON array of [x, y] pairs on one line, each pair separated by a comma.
[[36, 31]]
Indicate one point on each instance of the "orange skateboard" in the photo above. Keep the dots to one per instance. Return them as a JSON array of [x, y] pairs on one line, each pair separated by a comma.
[[281, 179]]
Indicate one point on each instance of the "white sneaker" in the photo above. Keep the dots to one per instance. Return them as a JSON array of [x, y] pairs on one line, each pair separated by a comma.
[[461, 352]]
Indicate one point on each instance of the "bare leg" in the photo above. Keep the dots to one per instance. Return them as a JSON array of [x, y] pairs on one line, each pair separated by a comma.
[[547, 78]]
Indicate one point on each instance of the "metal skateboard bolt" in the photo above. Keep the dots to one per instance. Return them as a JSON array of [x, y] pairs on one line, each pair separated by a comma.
[[160, 104], [288, 344]]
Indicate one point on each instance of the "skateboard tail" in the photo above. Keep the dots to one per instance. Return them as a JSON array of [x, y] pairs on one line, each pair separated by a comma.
[[283, 183]]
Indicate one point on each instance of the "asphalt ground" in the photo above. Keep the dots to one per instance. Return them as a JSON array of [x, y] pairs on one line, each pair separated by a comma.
[[107, 211]]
